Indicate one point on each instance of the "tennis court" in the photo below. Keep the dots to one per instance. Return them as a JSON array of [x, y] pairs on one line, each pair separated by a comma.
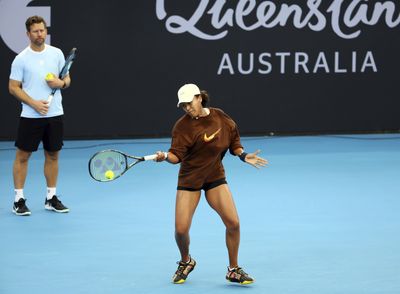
[[322, 218]]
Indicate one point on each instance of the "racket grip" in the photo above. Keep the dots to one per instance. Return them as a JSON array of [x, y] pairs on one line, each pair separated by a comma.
[[153, 156], [150, 157], [50, 98]]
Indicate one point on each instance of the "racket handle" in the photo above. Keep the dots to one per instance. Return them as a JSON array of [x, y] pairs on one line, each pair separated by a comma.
[[153, 156], [51, 96]]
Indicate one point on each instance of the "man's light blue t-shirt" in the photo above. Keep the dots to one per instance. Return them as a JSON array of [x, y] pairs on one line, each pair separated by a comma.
[[30, 68]]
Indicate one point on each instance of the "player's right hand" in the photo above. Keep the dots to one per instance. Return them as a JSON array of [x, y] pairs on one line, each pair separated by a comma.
[[160, 156], [41, 106]]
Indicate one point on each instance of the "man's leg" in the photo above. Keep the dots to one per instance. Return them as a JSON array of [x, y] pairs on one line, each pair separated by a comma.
[[51, 173], [20, 168], [51, 167]]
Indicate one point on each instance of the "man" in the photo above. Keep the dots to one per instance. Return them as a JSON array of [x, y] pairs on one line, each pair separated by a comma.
[[34, 73]]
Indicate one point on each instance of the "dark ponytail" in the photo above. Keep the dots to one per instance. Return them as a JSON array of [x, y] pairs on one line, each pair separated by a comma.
[[204, 98]]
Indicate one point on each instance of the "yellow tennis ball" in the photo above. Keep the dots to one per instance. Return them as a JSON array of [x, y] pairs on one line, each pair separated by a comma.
[[109, 174], [49, 76]]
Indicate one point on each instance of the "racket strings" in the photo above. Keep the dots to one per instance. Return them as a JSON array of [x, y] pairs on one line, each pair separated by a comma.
[[105, 163]]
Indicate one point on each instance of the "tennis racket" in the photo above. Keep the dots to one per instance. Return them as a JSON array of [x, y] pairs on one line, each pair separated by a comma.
[[68, 63], [108, 165]]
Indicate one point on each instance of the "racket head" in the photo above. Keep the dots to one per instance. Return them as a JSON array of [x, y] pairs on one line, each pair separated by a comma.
[[108, 165]]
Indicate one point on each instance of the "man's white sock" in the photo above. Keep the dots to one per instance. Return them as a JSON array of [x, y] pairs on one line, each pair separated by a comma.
[[51, 191], [19, 193]]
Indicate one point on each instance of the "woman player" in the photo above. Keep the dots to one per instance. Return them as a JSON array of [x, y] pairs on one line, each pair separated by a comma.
[[200, 139]]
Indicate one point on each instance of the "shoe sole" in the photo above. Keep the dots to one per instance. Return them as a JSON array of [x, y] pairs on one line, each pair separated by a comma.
[[21, 214], [53, 209], [241, 283]]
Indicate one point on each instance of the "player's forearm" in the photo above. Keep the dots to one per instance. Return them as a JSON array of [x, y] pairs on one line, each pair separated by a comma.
[[21, 95], [58, 83], [66, 82]]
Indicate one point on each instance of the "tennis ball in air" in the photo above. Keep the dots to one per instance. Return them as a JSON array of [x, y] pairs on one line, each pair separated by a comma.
[[49, 76], [109, 174]]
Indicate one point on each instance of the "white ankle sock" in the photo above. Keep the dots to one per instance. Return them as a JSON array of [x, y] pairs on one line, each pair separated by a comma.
[[19, 193], [51, 191]]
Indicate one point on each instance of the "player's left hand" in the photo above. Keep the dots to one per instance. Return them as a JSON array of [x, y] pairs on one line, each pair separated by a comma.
[[55, 83], [256, 161]]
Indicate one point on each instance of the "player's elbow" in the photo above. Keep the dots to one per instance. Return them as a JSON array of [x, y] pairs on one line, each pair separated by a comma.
[[13, 87], [173, 161], [12, 91], [172, 158]]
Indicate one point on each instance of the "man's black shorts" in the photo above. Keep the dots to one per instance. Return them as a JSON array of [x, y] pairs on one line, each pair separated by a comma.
[[49, 130]]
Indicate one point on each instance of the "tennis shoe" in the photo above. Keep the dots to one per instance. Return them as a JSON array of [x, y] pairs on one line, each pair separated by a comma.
[[55, 204], [20, 208], [184, 269], [238, 275]]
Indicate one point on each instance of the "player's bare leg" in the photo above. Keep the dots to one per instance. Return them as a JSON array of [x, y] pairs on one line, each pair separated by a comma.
[[186, 203], [220, 199], [20, 168], [51, 173], [51, 168], [185, 206]]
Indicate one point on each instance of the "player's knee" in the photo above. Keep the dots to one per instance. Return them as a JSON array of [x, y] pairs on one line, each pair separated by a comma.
[[53, 156], [233, 225], [181, 230], [22, 157]]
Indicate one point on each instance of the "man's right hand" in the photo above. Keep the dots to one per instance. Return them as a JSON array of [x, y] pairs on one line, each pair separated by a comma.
[[41, 106]]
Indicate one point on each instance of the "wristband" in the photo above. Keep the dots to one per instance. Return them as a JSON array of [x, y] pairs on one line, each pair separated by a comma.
[[243, 156]]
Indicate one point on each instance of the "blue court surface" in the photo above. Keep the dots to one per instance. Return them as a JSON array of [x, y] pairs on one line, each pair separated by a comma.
[[323, 218]]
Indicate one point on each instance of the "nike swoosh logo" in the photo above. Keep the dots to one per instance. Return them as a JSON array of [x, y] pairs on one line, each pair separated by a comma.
[[208, 139]]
